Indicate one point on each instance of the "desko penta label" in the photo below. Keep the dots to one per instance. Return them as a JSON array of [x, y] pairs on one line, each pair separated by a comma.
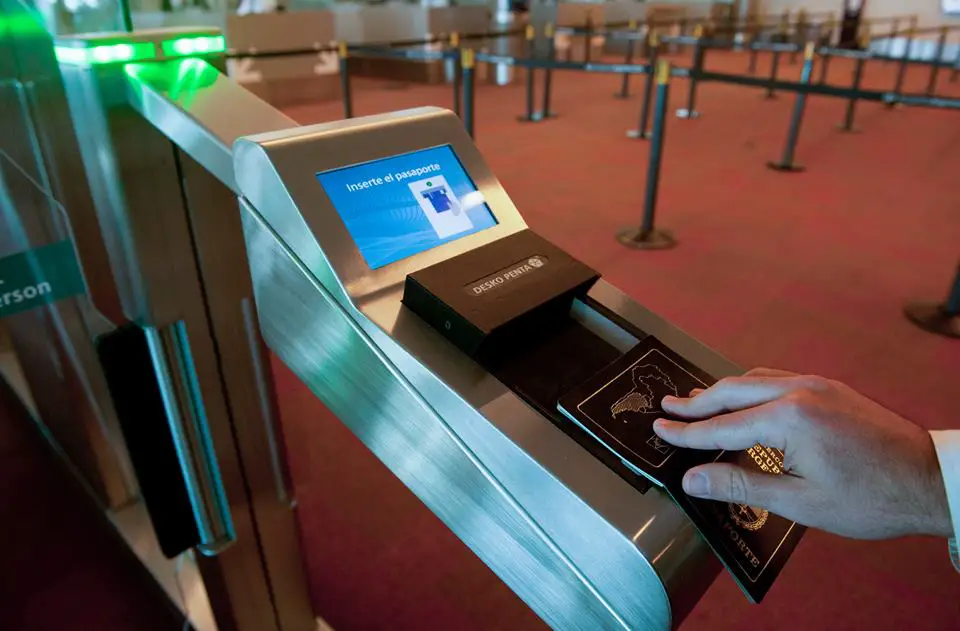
[[507, 275]]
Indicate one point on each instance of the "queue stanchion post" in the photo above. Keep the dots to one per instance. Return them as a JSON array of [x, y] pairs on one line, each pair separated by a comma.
[[548, 73], [786, 163], [774, 69], [942, 318], [825, 56], [530, 116], [690, 110], [344, 55], [798, 34], [588, 39], [784, 27], [937, 61], [902, 70], [648, 236], [956, 67], [469, 85], [624, 92], [457, 71], [653, 45], [894, 31], [754, 53], [858, 67]]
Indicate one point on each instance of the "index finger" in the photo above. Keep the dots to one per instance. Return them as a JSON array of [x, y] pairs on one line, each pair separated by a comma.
[[736, 430], [728, 395]]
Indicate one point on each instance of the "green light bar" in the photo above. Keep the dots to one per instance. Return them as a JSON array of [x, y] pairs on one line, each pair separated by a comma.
[[185, 46], [105, 53]]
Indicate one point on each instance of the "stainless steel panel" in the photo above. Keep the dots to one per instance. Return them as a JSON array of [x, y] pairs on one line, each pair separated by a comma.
[[581, 546], [186, 101], [147, 212], [337, 359], [248, 387]]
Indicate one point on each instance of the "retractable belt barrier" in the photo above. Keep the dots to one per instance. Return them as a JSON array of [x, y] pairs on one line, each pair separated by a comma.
[[656, 91]]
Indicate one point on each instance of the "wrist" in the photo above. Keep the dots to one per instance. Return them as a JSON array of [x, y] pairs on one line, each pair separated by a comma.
[[934, 517]]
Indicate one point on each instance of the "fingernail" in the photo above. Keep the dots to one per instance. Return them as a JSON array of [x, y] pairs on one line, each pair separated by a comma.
[[696, 484], [660, 425], [669, 399]]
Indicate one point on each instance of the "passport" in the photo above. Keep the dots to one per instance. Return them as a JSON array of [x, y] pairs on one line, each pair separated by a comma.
[[617, 407]]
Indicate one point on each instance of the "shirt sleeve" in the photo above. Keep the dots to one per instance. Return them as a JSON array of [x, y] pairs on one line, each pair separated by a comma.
[[947, 444]]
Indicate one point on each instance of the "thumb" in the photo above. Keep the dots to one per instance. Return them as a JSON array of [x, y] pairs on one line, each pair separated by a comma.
[[731, 483]]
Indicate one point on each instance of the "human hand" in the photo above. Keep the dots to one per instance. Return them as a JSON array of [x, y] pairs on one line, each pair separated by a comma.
[[851, 466]]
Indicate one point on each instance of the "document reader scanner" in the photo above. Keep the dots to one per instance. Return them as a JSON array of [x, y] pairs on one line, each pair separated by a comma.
[[395, 277]]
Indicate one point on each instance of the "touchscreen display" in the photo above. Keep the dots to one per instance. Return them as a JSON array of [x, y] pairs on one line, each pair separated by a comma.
[[399, 206]]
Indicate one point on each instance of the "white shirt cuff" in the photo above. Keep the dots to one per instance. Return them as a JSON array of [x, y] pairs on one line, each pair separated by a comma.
[[947, 444]]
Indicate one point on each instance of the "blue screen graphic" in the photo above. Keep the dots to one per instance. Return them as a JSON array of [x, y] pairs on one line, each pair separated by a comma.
[[400, 206]]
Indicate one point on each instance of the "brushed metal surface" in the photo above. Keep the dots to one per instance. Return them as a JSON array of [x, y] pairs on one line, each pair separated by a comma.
[[153, 144], [167, 96], [577, 543]]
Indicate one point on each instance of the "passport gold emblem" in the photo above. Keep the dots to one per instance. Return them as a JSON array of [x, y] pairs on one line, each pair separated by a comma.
[[748, 517]]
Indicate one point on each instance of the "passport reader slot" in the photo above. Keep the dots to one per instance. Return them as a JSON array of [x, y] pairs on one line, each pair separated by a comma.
[[558, 355]]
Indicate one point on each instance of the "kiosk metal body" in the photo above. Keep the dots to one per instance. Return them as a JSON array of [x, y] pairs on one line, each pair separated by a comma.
[[582, 546], [583, 542]]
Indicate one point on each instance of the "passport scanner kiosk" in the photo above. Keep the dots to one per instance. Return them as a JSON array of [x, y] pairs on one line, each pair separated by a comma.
[[396, 278], [391, 272]]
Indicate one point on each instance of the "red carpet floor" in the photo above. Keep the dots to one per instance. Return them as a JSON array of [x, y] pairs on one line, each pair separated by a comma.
[[803, 271]]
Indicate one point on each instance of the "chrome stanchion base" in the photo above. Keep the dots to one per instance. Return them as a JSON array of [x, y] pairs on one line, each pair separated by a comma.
[[536, 117], [653, 240], [685, 113], [639, 135], [770, 97], [848, 130], [933, 317], [787, 168]]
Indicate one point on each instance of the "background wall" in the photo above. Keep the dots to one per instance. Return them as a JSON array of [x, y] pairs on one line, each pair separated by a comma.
[[928, 11]]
